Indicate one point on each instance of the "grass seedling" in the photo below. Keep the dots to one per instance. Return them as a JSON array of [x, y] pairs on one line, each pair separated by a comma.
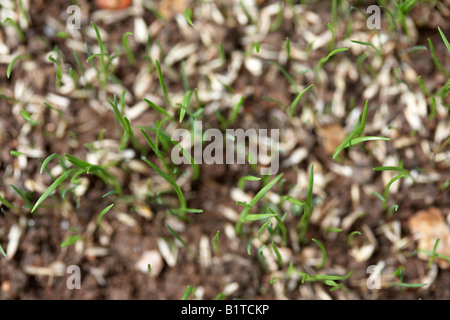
[[180, 239], [24, 113], [71, 240], [163, 84], [447, 44], [399, 272], [170, 180], [325, 59], [258, 196], [242, 181], [324, 254], [130, 55], [433, 254], [23, 195], [247, 13], [354, 137], [222, 54], [188, 15], [58, 66], [286, 75], [15, 25], [277, 254], [8, 204], [288, 48], [2, 252], [351, 236], [436, 61], [296, 100], [403, 173], [54, 185], [216, 243], [436, 255], [187, 293], [103, 71], [13, 62], [307, 208], [278, 20], [102, 213], [378, 51]]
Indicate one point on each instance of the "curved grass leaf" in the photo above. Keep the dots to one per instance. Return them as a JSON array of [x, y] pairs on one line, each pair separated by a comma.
[[253, 202], [324, 254], [104, 211], [71, 240], [296, 100], [53, 186], [13, 62]]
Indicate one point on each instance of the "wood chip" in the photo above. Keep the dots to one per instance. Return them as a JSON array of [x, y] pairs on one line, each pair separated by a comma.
[[426, 227]]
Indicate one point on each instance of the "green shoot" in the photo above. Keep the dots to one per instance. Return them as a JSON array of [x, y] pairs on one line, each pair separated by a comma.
[[233, 116], [104, 211], [436, 255], [351, 236], [180, 239], [188, 16], [392, 168], [13, 62], [286, 75], [130, 55], [21, 194], [399, 272], [378, 51], [15, 25], [324, 254], [436, 61], [447, 44], [7, 204], [53, 186], [103, 76], [433, 253], [71, 240], [216, 243], [187, 293], [278, 255], [242, 181], [170, 180], [247, 13], [304, 220], [58, 70], [2, 252], [325, 59], [258, 196], [222, 54], [288, 47], [297, 99], [163, 84], [278, 20]]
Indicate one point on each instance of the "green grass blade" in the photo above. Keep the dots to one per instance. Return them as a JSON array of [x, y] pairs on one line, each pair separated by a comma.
[[216, 243], [351, 236], [180, 239], [324, 254], [130, 55], [71, 240], [259, 216], [436, 61], [170, 180], [392, 168], [53, 186], [296, 100], [13, 62], [433, 253], [278, 255], [163, 84], [332, 53], [252, 203], [187, 293], [447, 44], [286, 75], [104, 211], [242, 181], [158, 108], [8, 204]]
